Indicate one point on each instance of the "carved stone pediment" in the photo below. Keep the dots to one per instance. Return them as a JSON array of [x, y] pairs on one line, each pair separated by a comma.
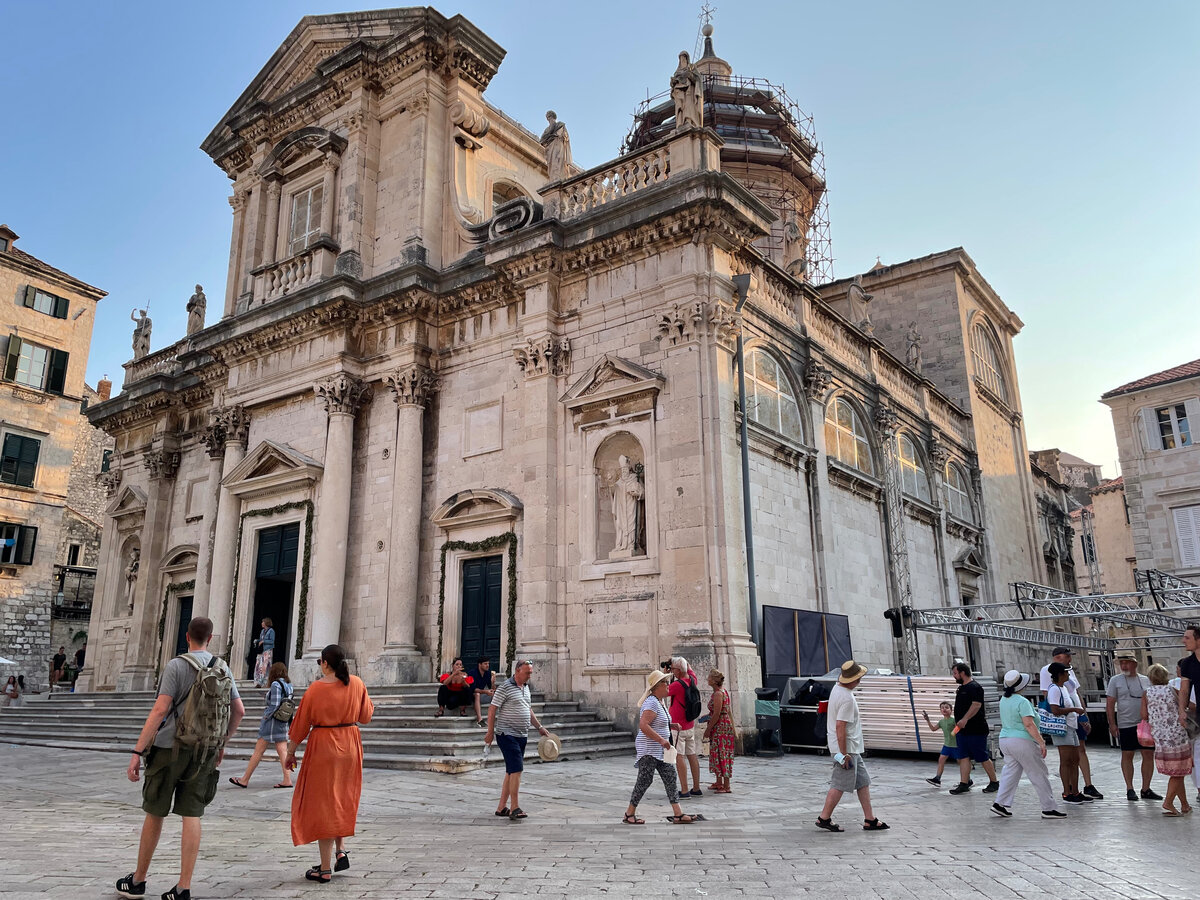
[[477, 506], [970, 561], [272, 468], [610, 378], [129, 505]]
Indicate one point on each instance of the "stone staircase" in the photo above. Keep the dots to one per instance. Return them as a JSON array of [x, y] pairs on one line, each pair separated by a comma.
[[402, 735]]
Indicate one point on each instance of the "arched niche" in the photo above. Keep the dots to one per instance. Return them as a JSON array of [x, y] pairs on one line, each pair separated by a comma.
[[619, 467]]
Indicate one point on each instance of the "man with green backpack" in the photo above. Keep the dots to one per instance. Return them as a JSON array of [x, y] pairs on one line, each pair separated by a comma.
[[197, 711]]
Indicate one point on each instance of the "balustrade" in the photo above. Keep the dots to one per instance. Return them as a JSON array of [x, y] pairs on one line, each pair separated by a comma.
[[615, 180]]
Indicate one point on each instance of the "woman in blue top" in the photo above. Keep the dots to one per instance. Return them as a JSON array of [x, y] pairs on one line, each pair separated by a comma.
[[266, 652], [271, 730], [653, 737], [1023, 749]]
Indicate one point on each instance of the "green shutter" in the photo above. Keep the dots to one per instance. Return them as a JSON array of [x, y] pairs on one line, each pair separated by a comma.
[[11, 459], [30, 296], [27, 460], [26, 541], [56, 378], [14, 357], [60, 307]]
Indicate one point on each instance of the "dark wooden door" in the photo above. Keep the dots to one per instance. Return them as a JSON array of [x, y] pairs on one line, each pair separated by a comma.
[[481, 601], [185, 616]]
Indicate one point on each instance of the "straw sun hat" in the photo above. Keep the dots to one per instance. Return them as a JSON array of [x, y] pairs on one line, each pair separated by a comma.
[[851, 671], [651, 680], [549, 747]]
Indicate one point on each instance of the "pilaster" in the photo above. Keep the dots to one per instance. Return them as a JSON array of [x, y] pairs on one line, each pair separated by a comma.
[[235, 422]]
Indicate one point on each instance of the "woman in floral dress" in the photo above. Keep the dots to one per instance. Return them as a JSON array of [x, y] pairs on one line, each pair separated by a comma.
[[719, 734], [1172, 746]]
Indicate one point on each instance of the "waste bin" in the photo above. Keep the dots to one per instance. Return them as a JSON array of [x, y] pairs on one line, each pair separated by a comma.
[[766, 720]]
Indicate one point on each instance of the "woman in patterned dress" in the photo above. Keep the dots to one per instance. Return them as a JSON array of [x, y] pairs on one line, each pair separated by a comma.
[[1172, 746], [266, 653], [719, 733]]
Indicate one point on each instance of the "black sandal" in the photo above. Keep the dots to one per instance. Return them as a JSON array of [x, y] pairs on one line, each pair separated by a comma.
[[319, 875], [874, 825], [632, 819], [828, 825], [502, 812], [681, 819], [341, 862], [518, 813]]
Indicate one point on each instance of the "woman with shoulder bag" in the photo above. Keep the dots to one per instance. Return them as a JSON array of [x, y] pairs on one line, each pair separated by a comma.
[[1024, 750], [1172, 745], [274, 727], [655, 752], [1064, 701]]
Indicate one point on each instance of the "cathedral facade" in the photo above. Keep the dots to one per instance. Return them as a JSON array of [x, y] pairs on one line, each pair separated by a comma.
[[467, 398]]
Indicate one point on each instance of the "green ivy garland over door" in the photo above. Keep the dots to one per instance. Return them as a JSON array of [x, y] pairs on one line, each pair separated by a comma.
[[492, 543]]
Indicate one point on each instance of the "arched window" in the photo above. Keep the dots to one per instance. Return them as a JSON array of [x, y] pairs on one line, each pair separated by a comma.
[[958, 495], [502, 192], [769, 398], [846, 437], [987, 359], [912, 472]]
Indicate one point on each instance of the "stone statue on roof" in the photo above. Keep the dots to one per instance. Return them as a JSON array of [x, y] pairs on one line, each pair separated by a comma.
[[687, 91], [141, 332], [195, 310], [914, 339], [558, 147]]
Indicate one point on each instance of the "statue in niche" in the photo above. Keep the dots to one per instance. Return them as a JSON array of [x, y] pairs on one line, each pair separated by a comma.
[[141, 332], [131, 576], [913, 357], [195, 309], [628, 510], [558, 147], [687, 91]]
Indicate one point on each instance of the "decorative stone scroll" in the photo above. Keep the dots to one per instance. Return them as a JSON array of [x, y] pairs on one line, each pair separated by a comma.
[[161, 463], [544, 356], [473, 123], [342, 394], [413, 385], [109, 481], [886, 420], [234, 421], [939, 453], [509, 217], [817, 379]]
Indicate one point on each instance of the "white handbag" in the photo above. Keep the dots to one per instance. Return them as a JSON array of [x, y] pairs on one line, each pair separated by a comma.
[[670, 754]]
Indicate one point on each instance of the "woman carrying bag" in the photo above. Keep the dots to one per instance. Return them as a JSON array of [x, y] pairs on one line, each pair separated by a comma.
[[654, 751], [1065, 702], [274, 727], [1172, 745], [1024, 750]]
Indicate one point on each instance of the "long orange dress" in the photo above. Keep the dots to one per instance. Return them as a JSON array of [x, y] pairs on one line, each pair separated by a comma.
[[325, 802]]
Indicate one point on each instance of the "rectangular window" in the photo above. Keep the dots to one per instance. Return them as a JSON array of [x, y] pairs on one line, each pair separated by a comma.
[[18, 461], [1173, 426], [1187, 535], [35, 366], [44, 302], [17, 543], [306, 219], [73, 555], [106, 461]]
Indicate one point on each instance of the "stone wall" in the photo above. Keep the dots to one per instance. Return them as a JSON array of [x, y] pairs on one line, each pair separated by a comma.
[[25, 626]]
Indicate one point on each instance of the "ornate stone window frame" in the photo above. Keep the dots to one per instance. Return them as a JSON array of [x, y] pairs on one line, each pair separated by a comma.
[[178, 574]]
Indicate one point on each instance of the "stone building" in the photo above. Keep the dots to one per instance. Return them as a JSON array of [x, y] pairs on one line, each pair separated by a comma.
[[1104, 541], [49, 460], [1154, 420], [466, 397], [1055, 503]]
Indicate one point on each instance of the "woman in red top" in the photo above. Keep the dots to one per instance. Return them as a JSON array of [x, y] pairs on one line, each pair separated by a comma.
[[456, 691]]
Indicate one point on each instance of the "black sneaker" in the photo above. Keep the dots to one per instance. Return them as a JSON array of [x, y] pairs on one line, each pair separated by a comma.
[[1002, 811], [176, 894], [1090, 791], [1075, 798], [960, 789], [1148, 794], [936, 782], [1086, 798], [127, 887], [696, 792], [1131, 795], [1053, 814], [992, 787]]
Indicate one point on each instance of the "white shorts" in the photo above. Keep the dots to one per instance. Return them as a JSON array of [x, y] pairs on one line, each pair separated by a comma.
[[688, 742]]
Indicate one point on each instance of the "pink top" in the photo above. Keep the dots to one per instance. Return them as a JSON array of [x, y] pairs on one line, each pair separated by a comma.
[[675, 692]]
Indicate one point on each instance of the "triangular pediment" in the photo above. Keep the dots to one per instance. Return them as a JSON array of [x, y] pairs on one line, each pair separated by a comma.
[[130, 501], [971, 560], [272, 465], [612, 377]]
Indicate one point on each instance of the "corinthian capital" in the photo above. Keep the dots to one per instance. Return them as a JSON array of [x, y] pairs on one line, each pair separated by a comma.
[[213, 438], [234, 421], [342, 393], [886, 419], [161, 463], [413, 385]]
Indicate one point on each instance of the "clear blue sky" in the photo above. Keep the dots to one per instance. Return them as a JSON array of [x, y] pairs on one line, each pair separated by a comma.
[[1056, 142]]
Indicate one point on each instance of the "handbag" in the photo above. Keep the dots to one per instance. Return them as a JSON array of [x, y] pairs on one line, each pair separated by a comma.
[[670, 754], [1144, 735], [1048, 723], [286, 709]]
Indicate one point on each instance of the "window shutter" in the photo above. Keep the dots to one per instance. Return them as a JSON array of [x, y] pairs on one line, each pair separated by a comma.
[[11, 459], [1187, 533], [27, 459], [60, 307], [57, 377], [26, 541], [1192, 407], [14, 357], [30, 296], [1152, 438]]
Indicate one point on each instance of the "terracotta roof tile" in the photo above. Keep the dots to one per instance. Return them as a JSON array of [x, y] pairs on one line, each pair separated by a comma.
[[47, 269], [1178, 373], [1111, 484]]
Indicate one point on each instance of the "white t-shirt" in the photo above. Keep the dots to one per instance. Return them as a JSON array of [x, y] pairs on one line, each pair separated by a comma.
[[1065, 695], [1072, 680], [844, 708]]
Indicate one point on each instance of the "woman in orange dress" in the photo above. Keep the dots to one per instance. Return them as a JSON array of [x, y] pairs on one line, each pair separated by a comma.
[[325, 804]]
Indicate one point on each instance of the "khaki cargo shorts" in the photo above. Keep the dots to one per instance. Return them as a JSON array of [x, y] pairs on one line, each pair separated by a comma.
[[173, 774]]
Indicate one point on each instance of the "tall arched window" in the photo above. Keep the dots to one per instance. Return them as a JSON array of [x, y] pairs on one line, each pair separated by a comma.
[[987, 359], [958, 495], [769, 398], [846, 437], [912, 471]]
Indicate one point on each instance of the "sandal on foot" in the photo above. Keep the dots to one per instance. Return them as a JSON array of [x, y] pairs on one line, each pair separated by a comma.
[[518, 813], [240, 784], [322, 876], [341, 862], [874, 825], [828, 825], [632, 819], [502, 812], [1171, 812], [439, 713], [683, 819], [280, 785]]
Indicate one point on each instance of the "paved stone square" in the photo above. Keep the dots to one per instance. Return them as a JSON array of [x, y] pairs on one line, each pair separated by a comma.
[[72, 821]]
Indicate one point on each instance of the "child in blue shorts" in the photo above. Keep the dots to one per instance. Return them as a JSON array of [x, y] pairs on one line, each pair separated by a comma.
[[949, 742]]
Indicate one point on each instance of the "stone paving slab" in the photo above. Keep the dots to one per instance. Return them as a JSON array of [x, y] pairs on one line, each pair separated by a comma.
[[72, 821]]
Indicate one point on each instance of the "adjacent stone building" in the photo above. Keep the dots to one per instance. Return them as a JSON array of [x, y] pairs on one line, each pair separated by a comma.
[[1104, 541], [51, 453], [465, 397]]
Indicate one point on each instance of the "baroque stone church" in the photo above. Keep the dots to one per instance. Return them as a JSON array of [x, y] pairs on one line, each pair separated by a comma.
[[466, 397]]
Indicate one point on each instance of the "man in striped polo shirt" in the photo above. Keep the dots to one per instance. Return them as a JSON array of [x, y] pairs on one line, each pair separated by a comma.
[[509, 718]]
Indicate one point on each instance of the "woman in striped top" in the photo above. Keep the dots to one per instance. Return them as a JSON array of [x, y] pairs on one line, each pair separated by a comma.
[[653, 737]]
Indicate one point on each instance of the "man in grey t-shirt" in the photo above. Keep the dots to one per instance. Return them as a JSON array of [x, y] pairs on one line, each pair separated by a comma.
[[1124, 701]]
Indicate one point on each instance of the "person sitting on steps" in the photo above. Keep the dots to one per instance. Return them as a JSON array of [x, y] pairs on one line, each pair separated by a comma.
[[456, 690]]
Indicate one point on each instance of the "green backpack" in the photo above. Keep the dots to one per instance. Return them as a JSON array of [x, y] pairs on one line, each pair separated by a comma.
[[203, 720]]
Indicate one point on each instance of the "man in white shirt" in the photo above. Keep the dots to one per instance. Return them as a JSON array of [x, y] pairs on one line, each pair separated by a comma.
[[844, 733], [1063, 655]]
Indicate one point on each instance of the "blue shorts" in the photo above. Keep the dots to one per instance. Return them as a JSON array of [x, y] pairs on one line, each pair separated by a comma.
[[513, 749], [950, 752], [973, 746]]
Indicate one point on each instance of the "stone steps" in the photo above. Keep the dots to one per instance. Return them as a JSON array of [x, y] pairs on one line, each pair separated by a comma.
[[403, 734]]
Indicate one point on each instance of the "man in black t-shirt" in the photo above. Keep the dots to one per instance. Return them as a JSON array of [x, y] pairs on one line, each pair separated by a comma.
[[971, 727], [56, 666], [1189, 670]]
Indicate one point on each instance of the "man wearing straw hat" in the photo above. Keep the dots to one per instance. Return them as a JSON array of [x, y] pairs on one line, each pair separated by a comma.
[[1123, 698], [844, 730]]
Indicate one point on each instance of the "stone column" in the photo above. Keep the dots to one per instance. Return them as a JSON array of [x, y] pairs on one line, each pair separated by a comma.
[[236, 423], [101, 596], [328, 199], [144, 645], [413, 387], [271, 237], [342, 394], [214, 439], [233, 280]]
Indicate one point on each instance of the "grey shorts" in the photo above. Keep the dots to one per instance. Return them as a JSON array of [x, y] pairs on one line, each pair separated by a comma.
[[1070, 739], [851, 779]]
